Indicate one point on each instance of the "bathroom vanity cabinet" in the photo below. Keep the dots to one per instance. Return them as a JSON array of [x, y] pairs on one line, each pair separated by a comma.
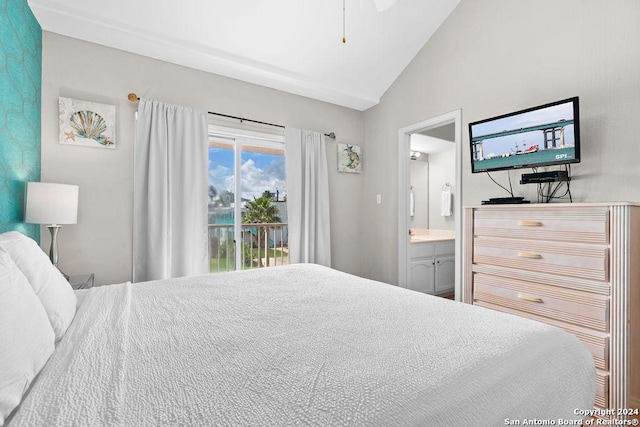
[[432, 267]]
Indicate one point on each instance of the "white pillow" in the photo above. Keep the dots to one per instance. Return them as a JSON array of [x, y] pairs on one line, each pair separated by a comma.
[[26, 337], [53, 290]]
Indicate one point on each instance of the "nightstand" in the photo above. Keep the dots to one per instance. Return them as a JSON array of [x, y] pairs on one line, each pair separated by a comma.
[[82, 281]]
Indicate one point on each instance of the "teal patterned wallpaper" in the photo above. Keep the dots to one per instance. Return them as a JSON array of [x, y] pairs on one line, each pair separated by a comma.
[[20, 94]]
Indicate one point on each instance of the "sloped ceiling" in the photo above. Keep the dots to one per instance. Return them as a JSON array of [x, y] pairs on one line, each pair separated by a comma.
[[291, 45]]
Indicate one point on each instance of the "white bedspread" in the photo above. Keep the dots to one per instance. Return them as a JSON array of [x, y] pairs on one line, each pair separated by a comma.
[[302, 345]]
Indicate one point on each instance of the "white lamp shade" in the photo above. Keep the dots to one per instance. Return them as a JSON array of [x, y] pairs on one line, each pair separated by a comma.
[[51, 203]]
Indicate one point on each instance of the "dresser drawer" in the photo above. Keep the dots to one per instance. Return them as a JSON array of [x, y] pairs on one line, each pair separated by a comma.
[[602, 389], [576, 307], [596, 342], [586, 225], [575, 260]]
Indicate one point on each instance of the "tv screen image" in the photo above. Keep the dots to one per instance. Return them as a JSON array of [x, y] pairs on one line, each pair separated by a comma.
[[539, 136]]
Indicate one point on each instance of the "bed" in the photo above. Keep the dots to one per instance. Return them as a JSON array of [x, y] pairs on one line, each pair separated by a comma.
[[301, 345]]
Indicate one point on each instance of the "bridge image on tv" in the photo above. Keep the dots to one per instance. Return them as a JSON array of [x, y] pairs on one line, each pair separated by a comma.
[[527, 139]]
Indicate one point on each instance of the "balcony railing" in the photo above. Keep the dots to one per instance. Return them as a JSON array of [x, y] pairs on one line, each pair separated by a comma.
[[262, 245]]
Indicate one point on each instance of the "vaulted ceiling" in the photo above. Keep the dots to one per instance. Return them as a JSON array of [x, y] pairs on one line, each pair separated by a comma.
[[291, 45]]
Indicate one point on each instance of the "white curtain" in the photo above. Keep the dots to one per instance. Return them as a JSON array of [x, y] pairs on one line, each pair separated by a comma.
[[307, 197], [170, 228]]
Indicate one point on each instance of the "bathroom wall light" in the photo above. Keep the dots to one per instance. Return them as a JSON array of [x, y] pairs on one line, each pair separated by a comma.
[[382, 5]]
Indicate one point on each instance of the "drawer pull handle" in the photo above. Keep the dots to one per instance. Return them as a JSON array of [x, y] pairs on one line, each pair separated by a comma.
[[529, 255], [529, 298], [530, 223]]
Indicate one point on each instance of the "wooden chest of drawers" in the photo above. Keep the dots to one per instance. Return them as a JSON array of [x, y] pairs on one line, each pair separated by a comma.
[[574, 266]]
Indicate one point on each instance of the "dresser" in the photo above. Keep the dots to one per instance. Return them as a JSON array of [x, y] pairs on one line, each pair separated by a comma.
[[575, 266]]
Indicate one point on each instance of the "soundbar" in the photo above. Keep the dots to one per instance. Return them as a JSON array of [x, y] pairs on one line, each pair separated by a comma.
[[541, 177]]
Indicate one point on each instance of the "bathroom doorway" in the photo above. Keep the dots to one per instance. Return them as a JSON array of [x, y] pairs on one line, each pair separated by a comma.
[[434, 138]]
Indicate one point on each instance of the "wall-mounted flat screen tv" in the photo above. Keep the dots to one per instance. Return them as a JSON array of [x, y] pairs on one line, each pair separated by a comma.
[[539, 136]]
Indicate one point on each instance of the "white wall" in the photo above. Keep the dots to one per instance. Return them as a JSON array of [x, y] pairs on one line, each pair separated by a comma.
[[419, 179], [101, 241], [495, 56], [489, 57], [442, 170]]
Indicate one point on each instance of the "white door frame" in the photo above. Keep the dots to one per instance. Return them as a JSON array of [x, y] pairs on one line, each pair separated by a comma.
[[404, 148]]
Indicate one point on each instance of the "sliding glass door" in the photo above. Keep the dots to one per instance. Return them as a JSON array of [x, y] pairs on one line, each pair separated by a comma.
[[247, 200]]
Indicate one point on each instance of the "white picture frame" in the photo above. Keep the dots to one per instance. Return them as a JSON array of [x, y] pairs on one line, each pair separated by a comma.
[[349, 158], [87, 124]]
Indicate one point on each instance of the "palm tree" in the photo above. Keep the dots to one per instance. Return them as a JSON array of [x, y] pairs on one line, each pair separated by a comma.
[[261, 211]]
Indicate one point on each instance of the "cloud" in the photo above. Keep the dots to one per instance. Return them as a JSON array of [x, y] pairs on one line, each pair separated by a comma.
[[255, 180], [277, 169], [219, 177]]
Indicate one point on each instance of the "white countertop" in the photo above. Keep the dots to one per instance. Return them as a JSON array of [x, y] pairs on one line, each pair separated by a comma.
[[421, 235]]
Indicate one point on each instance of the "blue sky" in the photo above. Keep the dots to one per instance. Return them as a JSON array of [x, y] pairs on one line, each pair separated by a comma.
[[507, 144], [260, 172]]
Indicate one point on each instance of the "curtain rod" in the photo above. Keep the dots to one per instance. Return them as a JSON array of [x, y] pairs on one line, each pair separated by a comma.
[[134, 98]]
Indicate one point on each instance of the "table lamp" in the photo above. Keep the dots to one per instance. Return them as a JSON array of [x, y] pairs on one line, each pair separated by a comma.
[[51, 204]]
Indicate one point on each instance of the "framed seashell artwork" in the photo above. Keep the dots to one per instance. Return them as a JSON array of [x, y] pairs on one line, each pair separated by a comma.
[[88, 124], [349, 158]]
